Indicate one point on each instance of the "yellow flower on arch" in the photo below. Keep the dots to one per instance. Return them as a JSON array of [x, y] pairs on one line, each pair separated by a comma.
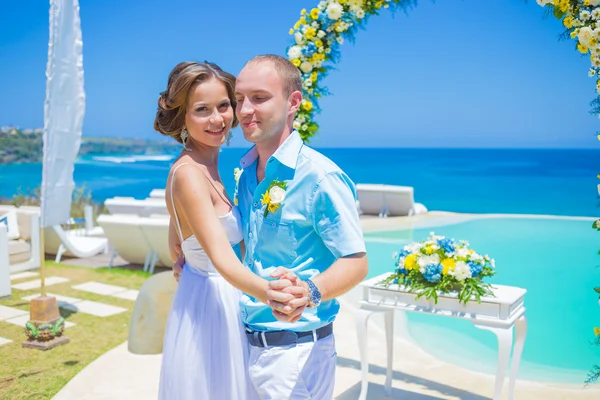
[[314, 13], [568, 22]]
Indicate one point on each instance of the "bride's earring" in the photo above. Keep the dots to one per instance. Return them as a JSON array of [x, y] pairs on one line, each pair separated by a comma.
[[229, 136], [184, 138]]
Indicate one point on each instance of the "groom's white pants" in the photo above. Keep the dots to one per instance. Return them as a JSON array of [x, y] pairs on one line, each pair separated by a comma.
[[299, 371]]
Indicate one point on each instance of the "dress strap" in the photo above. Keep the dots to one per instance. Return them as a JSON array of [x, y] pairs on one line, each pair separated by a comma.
[[173, 203]]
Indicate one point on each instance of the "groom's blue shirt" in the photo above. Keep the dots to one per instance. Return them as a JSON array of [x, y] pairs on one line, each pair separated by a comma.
[[316, 224]]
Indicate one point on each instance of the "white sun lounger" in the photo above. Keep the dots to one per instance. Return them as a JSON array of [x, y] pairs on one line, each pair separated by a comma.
[[142, 208], [126, 239], [157, 194], [387, 200], [72, 243], [156, 232]]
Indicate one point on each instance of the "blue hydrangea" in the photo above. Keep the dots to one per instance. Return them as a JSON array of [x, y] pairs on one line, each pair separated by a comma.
[[309, 49], [447, 245], [325, 21], [475, 268], [402, 271], [348, 17], [433, 272]]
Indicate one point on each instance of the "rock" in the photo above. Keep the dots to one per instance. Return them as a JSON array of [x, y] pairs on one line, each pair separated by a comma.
[[149, 317]]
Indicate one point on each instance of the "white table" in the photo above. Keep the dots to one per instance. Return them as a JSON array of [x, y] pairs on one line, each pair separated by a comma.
[[497, 314]]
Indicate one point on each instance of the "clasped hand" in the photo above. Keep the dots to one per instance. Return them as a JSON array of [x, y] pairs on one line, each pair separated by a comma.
[[287, 296]]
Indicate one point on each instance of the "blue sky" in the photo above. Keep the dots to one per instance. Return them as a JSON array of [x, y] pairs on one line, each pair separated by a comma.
[[451, 73]]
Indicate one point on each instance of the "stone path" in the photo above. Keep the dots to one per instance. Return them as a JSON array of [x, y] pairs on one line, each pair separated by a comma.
[[23, 275], [108, 290], [20, 317], [85, 306], [51, 280]]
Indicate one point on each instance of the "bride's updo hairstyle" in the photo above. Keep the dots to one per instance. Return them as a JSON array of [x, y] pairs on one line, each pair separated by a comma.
[[170, 116]]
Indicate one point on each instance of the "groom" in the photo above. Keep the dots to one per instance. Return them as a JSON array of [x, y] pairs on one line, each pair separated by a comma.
[[298, 210]]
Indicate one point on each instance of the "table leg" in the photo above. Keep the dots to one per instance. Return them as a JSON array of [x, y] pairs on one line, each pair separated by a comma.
[[389, 338], [505, 339], [362, 319], [520, 333]]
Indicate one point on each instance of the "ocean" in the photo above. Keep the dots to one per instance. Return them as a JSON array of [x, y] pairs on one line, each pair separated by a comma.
[[520, 181]]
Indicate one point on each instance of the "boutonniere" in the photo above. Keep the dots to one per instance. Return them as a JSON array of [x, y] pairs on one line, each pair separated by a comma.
[[274, 196], [237, 172]]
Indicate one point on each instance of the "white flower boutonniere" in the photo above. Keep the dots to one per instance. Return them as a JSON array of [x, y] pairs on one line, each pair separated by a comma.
[[274, 196]]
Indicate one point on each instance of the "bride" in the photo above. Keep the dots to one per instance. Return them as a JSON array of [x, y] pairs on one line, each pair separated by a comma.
[[205, 349]]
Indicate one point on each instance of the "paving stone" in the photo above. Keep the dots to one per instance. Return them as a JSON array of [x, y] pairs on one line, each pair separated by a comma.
[[52, 280]]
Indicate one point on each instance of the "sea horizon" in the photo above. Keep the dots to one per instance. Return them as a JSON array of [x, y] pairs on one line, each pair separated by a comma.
[[513, 181]]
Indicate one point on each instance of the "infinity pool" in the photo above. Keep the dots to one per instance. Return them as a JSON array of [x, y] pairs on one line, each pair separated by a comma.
[[555, 259]]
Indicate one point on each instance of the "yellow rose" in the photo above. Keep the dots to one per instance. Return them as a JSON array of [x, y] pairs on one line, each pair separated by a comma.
[[318, 43], [597, 331], [310, 33], [410, 262], [296, 62], [306, 105], [313, 76], [314, 13]]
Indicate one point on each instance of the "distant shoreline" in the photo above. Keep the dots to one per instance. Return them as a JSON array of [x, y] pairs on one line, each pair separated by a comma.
[[26, 147]]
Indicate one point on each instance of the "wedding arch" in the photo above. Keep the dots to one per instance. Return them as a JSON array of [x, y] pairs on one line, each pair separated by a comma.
[[319, 33]]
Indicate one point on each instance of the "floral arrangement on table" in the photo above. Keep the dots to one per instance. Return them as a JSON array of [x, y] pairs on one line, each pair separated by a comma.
[[318, 35], [441, 265]]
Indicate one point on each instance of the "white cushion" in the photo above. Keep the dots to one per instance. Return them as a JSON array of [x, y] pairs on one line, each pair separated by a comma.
[[12, 224]]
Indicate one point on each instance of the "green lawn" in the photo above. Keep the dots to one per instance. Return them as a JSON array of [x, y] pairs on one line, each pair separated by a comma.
[[35, 374]]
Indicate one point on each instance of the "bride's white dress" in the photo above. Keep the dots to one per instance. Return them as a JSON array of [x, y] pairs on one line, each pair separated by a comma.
[[205, 349]]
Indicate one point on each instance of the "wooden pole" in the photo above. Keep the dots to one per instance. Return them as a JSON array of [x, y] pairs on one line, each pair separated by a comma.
[[42, 261]]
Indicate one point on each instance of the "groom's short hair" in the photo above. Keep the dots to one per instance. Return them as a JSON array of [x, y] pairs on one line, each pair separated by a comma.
[[289, 73]]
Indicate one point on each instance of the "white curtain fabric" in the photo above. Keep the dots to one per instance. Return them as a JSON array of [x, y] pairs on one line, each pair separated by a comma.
[[64, 109]]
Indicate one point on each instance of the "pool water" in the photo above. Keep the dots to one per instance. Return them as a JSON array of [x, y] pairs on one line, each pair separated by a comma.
[[555, 259]]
